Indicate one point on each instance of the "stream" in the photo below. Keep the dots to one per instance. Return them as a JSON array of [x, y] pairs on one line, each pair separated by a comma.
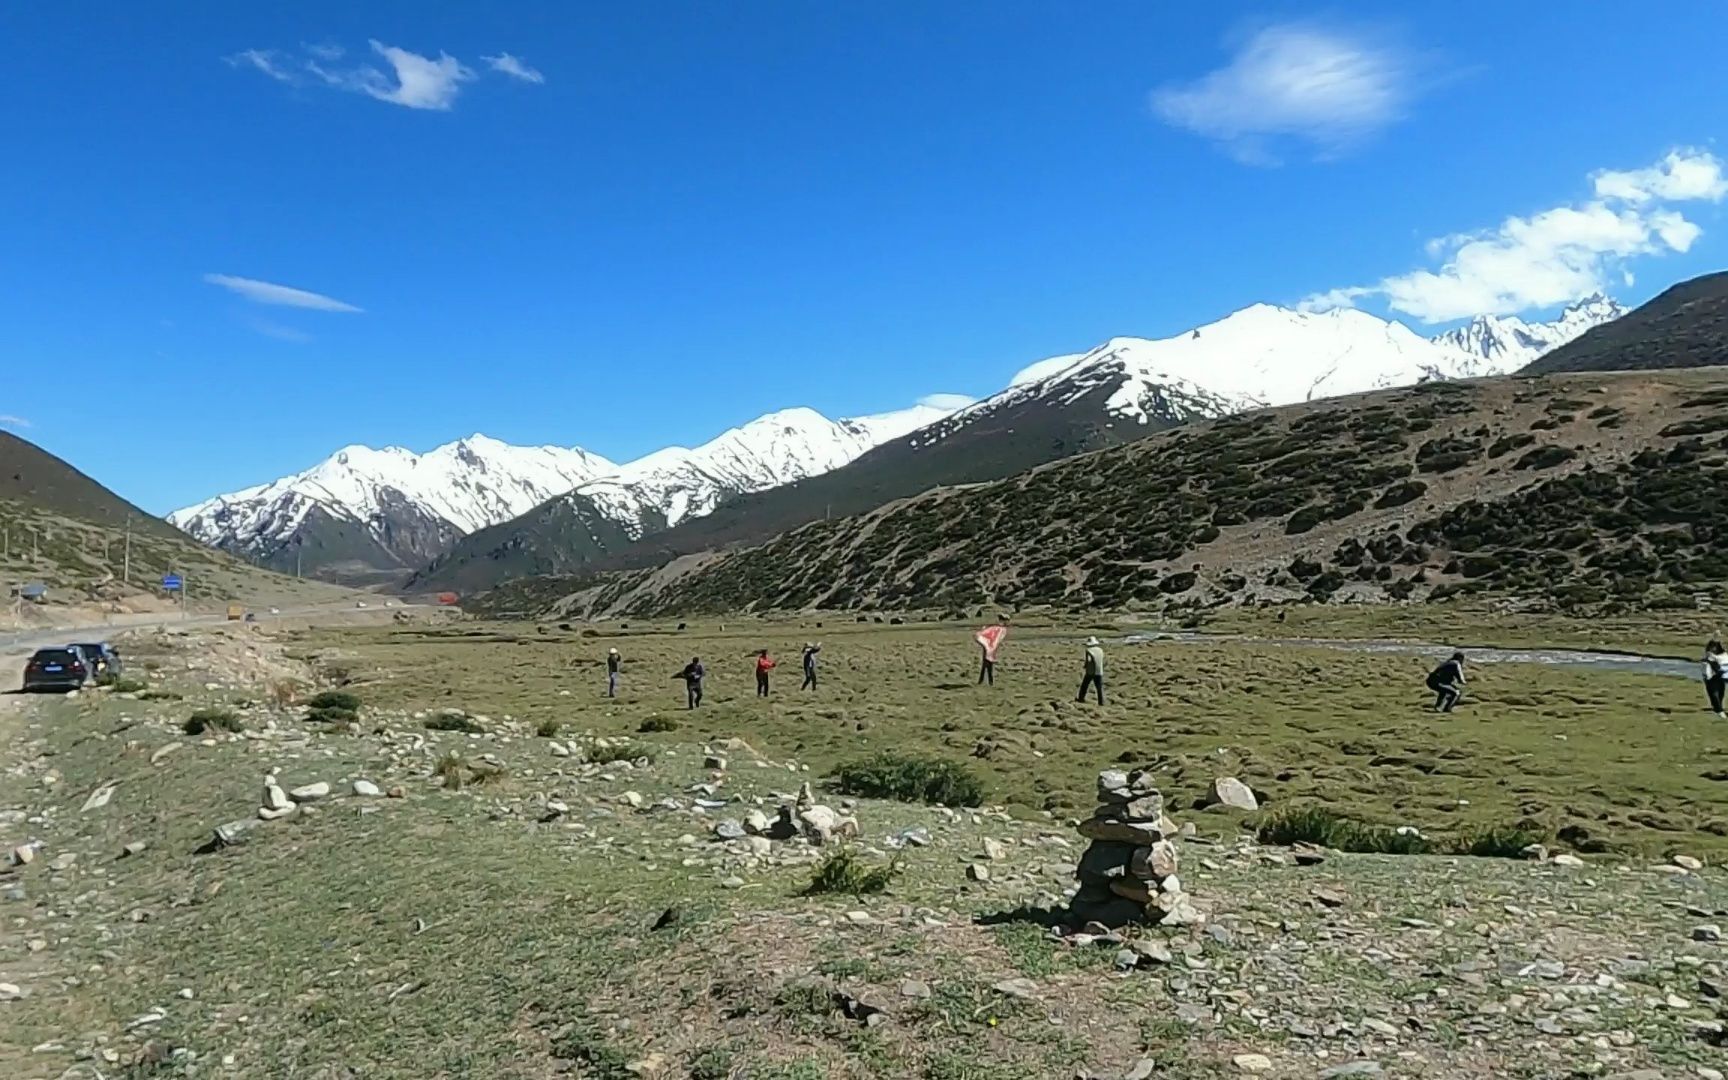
[[1600, 661]]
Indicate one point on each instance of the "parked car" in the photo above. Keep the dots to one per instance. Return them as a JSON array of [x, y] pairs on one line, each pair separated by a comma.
[[56, 669], [101, 659]]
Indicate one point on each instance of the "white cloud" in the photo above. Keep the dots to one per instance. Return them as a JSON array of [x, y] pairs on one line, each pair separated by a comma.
[[1684, 174], [950, 402], [1556, 255], [13, 421], [266, 60], [515, 67], [1296, 82], [280, 332], [264, 292], [413, 81]]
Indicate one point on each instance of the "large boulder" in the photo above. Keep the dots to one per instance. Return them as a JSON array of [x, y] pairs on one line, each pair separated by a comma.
[[1231, 792]]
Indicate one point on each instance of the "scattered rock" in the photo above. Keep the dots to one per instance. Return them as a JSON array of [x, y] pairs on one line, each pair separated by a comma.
[[714, 761], [23, 855], [62, 862], [1352, 1068], [234, 832], [99, 798], [1307, 855], [1568, 860], [558, 749], [995, 850], [1231, 792], [275, 799], [1707, 932], [632, 799], [730, 829], [366, 789], [1148, 951], [11, 992], [133, 849], [1687, 862], [978, 872], [1144, 1069], [267, 814], [912, 988], [1252, 1063], [756, 823], [310, 792], [162, 752], [1330, 898], [1024, 989]]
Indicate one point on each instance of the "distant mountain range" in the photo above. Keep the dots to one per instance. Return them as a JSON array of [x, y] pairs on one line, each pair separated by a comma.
[[470, 514]]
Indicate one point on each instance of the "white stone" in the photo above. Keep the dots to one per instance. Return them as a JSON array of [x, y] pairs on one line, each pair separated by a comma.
[[275, 799], [367, 789], [310, 792], [1231, 792]]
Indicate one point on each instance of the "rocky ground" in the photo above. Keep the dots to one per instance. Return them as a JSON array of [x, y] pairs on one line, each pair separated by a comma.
[[519, 900]]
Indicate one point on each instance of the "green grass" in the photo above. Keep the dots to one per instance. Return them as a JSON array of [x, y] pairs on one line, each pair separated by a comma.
[[334, 699], [845, 871], [658, 724], [214, 719], [125, 684], [911, 778], [1319, 825]]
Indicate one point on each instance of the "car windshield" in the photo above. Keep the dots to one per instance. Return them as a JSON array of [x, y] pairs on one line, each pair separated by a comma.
[[56, 656]]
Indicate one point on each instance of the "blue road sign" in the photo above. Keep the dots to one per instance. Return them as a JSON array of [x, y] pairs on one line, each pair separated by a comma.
[[170, 582]]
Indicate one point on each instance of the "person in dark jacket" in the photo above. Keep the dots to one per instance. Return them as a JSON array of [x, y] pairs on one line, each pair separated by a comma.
[[764, 664], [1715, 676], [810, 651], [692, 676], [613, 662], [1447, 682], [1094, 677]]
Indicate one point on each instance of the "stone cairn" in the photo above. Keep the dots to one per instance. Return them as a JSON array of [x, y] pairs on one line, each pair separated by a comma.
[[1128, 874]]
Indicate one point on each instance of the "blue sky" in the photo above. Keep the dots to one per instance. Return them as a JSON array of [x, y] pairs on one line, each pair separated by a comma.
[[623, 226]]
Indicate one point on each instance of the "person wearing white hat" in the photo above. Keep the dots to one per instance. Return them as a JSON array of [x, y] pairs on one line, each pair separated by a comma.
[[613, 660], [1094, 677]]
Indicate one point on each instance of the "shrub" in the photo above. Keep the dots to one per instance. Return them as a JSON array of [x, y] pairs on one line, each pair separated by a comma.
[[451, 770], [547, 729], [910, 778], [158, 695], [844, 871], [1318, 825], [212, 720], [334, 699], [658, 723], [125, 685], [616, 750], [1498, 842], [453, 721]]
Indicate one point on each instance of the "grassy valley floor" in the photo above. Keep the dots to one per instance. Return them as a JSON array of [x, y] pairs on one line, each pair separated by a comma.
[[550, 918]]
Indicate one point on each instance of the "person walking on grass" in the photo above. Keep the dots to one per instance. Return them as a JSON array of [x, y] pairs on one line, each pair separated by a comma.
[[1447, 682], [989, 641], [613, 662], [692, 676], [1094, 677], [764, 664], [810, 651], [1715, 676]]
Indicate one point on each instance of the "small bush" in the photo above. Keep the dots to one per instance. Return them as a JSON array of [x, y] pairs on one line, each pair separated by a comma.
[[334, 699], [1499, 842], [159, 695], [843, 871], [616, 750], [454, 721], [212, 720], [658, 723], [126, 685], [547, 729], [451, 770], [804, 999], [909, 778]]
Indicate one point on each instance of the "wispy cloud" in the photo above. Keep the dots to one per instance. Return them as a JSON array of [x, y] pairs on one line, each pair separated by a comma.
[[949, 402], [515, 67], [1555, 255], [412, 81], [265, 292], [1302, 83], [7, 420]]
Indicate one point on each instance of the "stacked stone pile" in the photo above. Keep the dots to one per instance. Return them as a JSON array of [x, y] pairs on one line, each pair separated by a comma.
[[1128, 874]]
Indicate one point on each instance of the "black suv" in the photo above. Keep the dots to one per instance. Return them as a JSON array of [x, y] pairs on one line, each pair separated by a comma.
[[55, 669]]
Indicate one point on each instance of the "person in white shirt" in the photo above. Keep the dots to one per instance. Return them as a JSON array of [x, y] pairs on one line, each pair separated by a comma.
[[1715, 676]]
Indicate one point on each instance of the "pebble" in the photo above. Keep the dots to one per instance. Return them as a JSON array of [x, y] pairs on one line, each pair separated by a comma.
[[978, 872], [133, 849], [310, 792], [995, 850], [1687, 862], [367, 789], [1566, 860], [1352, 1068], [632, 799], [1707, 932], [10, 991], [912, 988], [733, 882], [1252, 1063], [1017, 988]]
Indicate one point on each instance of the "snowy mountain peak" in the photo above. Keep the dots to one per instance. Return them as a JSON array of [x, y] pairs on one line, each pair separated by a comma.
[[1507, 343]]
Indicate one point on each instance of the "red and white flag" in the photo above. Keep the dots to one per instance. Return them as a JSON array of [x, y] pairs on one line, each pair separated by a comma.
[[991, 639]]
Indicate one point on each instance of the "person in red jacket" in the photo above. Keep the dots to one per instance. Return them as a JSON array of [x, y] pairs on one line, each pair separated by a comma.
[[764, 664]]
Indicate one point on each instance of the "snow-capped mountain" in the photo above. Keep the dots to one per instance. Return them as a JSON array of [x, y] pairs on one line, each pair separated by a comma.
[[364, 511], [1508, 343], [390, 502], [670, 485]]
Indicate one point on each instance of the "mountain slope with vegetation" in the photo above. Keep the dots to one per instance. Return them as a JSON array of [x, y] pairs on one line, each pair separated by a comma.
[[64, 530], [1572, 491], [1685, 326]]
